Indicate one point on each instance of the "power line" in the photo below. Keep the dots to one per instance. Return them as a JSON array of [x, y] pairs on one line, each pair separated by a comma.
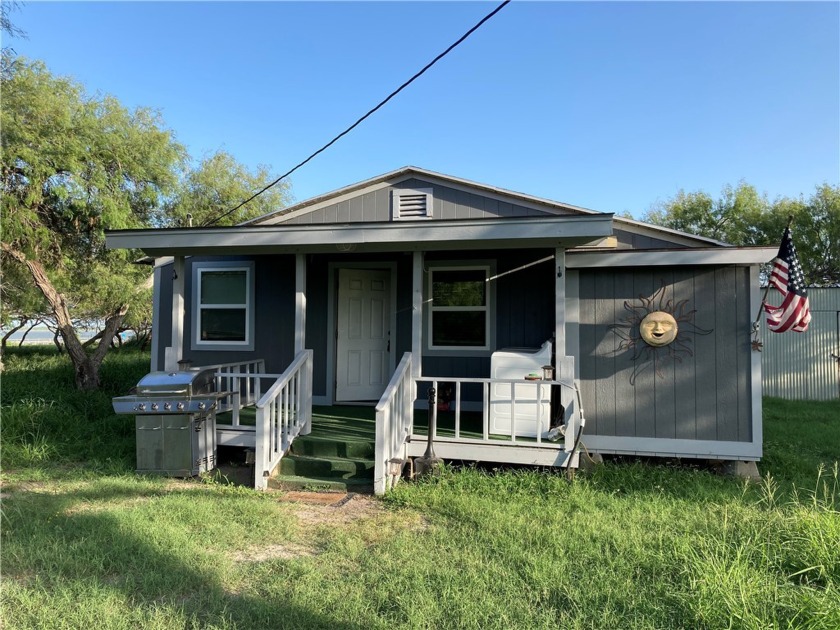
[[369, 113]]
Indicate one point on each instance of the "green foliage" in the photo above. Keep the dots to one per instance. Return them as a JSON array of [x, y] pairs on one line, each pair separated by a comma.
[[47, 422], [218, 184], [74, 165], [741, 216]]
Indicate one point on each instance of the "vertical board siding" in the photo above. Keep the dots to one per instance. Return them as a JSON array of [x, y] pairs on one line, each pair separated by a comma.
[[696, 388], [644, 284], [605, 346], [726, 387], [705, 351], [625, 393], [664, 375], [685, 378], [799, 366]]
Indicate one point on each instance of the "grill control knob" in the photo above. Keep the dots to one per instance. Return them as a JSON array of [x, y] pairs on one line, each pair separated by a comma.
[[167, 406], [141, 407], [154, 406], [201, 405], [180, 406]]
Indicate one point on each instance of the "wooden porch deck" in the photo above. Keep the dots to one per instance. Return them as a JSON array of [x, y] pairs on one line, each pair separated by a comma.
[[359, 422], [352, 422]]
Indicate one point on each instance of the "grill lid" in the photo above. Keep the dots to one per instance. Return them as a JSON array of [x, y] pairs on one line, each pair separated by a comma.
[[186, 383]]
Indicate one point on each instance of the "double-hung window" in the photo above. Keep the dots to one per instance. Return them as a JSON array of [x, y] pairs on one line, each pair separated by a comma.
[[459, 309], [223, 306]]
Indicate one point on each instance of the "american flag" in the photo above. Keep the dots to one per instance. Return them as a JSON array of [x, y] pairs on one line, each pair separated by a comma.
[[788, 279]]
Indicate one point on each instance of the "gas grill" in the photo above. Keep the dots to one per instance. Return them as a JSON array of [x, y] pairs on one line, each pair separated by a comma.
[[175, 421]]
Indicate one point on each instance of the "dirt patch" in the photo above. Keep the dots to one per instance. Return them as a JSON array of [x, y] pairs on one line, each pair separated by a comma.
[[282, 551], [342, 510]]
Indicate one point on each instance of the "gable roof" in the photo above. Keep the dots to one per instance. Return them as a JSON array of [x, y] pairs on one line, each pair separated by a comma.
[[408, 172], [299, 212]]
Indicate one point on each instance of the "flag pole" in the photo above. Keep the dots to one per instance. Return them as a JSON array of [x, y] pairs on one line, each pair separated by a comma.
[[757, 323]]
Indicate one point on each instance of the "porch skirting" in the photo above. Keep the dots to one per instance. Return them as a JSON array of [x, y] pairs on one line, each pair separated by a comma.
[[505, 453]]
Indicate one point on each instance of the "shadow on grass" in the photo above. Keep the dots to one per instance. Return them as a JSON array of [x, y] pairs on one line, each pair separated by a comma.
[[64, 545]]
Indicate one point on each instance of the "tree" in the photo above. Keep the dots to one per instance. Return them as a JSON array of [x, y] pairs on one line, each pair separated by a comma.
[[218, 184], [73, 165], [743, 217]]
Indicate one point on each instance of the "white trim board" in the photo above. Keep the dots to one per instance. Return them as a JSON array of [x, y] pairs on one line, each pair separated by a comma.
[[668, 257], [510, 454], [670, 447], [548, 231]]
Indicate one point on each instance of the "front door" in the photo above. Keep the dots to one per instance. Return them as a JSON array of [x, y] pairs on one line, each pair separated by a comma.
[[363, 336]]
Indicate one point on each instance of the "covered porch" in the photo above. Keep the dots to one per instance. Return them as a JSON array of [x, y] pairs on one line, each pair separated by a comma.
[[296, 441], [305, 274]]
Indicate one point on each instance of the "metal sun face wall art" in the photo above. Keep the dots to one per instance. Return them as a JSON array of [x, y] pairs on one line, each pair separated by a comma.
[[656, 331]]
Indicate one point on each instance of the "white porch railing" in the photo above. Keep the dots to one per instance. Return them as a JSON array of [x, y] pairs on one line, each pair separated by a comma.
[[534, 403], [393, 426], [240, 381], [283, 413]]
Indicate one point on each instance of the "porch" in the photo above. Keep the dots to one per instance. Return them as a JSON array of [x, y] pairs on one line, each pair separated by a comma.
[[344, 447]]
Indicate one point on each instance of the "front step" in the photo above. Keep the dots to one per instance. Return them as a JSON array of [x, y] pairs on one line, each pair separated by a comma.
[[314, 484], [325, 467], [326, 464]]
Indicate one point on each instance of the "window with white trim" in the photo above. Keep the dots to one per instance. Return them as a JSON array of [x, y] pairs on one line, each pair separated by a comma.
[[412, 204], [459, 308], [223, 306]]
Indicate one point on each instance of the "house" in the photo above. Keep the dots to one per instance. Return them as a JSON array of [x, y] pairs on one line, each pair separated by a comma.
[[376, 292]]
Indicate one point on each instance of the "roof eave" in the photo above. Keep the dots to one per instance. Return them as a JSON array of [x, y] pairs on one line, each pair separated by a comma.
[[549, 231]]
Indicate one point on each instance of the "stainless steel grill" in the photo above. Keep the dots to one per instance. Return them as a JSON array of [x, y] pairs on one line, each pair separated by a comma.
[[175, 421]]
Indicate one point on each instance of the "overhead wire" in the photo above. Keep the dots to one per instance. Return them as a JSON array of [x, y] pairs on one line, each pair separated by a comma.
[[478, 25]]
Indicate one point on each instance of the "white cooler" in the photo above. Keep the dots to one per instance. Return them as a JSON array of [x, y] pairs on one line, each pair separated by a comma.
[[517, 363]]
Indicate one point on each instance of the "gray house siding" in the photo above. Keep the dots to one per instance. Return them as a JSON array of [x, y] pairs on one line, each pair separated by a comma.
[[524, 308], [318, 300], [449, 203], [274, 304], [631, 240], [697, 388]]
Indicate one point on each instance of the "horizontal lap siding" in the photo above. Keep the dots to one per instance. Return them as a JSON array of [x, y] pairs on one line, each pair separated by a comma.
[[448, 203], [696, 388]]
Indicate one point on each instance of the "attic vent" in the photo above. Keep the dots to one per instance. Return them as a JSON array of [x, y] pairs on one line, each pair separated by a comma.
[[412, 204]]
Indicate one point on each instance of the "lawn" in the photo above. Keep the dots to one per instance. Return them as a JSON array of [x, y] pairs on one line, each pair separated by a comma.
[[86, 543]]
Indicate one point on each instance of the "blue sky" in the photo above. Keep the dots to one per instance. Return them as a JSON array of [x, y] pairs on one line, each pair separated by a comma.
[[609, 106]]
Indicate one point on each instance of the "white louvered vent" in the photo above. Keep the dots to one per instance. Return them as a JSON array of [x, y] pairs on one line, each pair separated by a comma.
[[412, 204]]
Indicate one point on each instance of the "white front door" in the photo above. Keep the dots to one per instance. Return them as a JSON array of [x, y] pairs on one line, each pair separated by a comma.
[[363, 340]]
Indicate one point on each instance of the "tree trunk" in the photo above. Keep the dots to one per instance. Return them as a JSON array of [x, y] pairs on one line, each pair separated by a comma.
[[23, 321], [23, 336], [86, 366]]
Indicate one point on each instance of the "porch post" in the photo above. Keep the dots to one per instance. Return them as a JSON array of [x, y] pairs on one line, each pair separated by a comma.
[[300, 303], [417, 318], [560, 303], [175, 351], [565, 364]]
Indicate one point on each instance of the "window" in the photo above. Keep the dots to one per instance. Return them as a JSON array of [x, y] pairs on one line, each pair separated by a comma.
[[459, 311], [409, 204], [223, 314]]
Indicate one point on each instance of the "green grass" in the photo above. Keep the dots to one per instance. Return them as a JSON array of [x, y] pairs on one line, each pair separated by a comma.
[[46, 421], [631, 545]]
